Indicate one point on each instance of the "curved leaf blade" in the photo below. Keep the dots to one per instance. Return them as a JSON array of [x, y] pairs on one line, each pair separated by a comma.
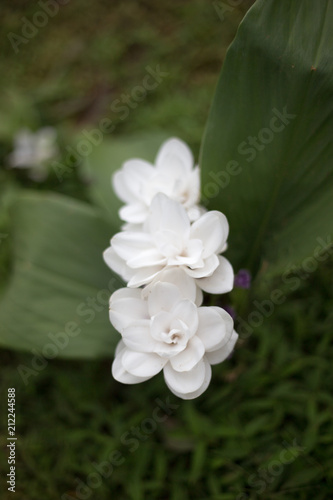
[[59, 289], [266, 154]]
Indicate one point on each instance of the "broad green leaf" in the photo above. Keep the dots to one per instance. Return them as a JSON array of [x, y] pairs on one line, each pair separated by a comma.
[[267, 152], [109, 157], [59, 287]]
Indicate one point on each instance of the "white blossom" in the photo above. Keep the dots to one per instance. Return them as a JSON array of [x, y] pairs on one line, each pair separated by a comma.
[[167, 331], [169, 252], [173, 174], [169, 240], [33, 149]]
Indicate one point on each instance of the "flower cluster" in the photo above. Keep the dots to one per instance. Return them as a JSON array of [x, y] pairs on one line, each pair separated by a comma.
[[168, 252]]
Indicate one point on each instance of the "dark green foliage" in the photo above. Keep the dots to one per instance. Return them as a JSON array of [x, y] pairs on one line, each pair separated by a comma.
[[276, 389]]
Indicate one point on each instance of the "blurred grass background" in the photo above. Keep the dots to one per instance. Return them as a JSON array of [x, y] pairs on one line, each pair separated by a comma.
[[276, 389]]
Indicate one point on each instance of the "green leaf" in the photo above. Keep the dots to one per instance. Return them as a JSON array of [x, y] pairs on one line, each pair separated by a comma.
[[108, 158], [59, 288], [276, 86]]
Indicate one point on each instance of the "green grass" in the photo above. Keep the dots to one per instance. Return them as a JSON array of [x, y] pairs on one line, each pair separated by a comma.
[[277, 387]]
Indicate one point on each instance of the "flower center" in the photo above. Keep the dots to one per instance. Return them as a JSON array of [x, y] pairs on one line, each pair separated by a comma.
[[171, 337]]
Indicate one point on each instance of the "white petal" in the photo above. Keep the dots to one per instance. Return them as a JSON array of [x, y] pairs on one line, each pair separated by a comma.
[[121, 375], [222, 248], [221, 281], [120, 346], [210, 265], [161, 183], [190, 256], [147, 258], [215, 357], [195, 212], [117, 264], [125, 293], [202, 388], [214, 328], [142, 364], [121, 188], [174, 156], [187, 312], [177, 277], [129, 181], [163, 297], [169, 215], [119, 372], [137, 336], [137, 172], [136, 228], [135, 213], [193, 194], [189, 357], [168, 243], [199, 296], [160, 323], [185, 382], [144, 276], [212, 229], [229, 326], [128, 244], [119, 321], [121, 303], [124, 298]]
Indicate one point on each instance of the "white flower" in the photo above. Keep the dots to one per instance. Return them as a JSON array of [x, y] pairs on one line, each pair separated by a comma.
[[169, 332], [32, 150], [170, 240], [138, 181]]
